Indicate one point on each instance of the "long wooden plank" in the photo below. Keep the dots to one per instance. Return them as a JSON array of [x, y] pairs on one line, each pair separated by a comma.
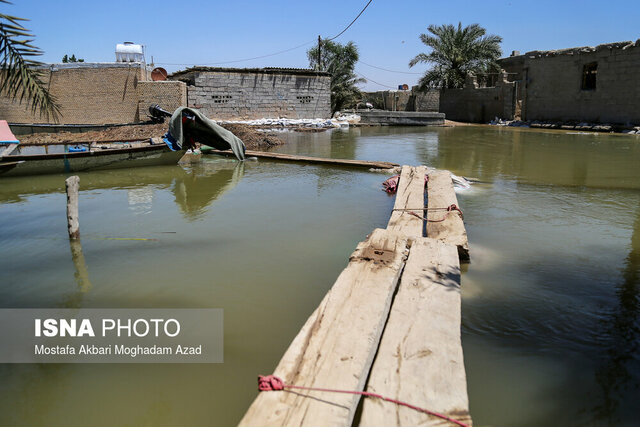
[[440, 195], [336, 347], [409, 198], [420, 358], [307, 159], [84, 142]]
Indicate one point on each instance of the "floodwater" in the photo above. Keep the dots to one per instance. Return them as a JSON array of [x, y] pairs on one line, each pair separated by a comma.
[[551, 299]]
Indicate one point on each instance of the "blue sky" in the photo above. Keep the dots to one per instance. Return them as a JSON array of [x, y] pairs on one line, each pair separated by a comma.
[[180, 34]]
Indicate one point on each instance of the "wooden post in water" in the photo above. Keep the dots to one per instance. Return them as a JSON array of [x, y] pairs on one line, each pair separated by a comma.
[[72, 185]]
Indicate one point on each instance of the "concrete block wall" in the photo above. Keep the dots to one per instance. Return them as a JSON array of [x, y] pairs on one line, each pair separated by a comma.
[[97, 93], [402, 100], [479, 105], [554, 84], [427, 101], [253, 94]]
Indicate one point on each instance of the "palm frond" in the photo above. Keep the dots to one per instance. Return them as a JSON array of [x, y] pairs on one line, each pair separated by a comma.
[[20, 77]]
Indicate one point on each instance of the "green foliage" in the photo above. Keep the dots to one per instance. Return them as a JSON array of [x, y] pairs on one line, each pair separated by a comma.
[[66, 59], [339, 60], [457, 52], [19, 77]]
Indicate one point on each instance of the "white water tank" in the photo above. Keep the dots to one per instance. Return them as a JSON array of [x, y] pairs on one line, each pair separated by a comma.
[[129, 52]]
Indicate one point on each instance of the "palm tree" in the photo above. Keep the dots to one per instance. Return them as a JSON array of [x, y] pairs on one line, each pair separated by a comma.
[[19, 77], [339, 60], [457, 52]]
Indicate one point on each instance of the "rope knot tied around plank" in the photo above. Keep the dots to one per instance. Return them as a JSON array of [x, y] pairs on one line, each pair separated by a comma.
[[269, 383], [274, 383]]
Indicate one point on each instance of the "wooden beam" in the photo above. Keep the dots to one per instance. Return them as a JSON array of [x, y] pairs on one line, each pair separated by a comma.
[[410, 195], [440, 194], [420, 358], [307, 159], [97, 141], [336, 347]]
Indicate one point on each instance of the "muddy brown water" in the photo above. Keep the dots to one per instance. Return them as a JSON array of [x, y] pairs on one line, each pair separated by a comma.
[[551, 303]]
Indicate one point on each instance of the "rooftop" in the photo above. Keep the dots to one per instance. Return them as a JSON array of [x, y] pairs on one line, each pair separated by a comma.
[[267, 70], [577, 50]]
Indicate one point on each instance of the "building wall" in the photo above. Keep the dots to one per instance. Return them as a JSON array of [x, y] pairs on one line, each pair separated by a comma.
[[168, 94], [401, 100], [554, 84], [105, 93], [427, 101], [253, 94], [479, 105]]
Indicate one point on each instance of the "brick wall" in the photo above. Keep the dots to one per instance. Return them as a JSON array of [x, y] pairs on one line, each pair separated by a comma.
[[168, 94], [479, 105], [258, 93], [105, 93], [554, 84]]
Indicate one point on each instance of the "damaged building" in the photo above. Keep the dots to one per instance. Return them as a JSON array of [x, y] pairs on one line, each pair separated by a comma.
[[585, 84]]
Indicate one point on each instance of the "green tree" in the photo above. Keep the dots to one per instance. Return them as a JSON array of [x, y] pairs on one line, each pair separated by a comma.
[[339, 60], [20, 78], [66, 59], [455, 53]]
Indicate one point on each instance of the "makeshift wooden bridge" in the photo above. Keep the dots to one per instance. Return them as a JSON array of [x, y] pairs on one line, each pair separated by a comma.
[[390, 325]]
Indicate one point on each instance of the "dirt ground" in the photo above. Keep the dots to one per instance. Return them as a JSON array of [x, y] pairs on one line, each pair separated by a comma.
[[252, 138]]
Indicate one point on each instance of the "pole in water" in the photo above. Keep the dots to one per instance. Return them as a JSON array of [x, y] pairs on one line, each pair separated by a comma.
[[73, 225]]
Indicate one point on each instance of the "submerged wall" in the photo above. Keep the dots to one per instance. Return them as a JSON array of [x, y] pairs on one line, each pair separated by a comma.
[[239, 93], [98, 93], [479, 105], [403, 100]]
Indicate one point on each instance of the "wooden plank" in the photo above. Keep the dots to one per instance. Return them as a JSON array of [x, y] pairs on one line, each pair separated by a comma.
[[335, 348], [307, 159], [7, 151], [84, 142], [420, 358], [410, 195], [440, 194]]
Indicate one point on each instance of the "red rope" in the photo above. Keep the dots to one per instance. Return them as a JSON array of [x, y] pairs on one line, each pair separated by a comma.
[[273, 383]]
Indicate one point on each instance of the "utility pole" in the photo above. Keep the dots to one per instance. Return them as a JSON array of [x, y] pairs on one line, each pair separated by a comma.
[[319, 53]]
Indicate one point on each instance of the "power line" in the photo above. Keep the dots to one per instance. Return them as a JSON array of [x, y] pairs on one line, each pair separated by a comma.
[[275, 53], [356, 18], [243, 60], [390, 71], [373, 81]]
